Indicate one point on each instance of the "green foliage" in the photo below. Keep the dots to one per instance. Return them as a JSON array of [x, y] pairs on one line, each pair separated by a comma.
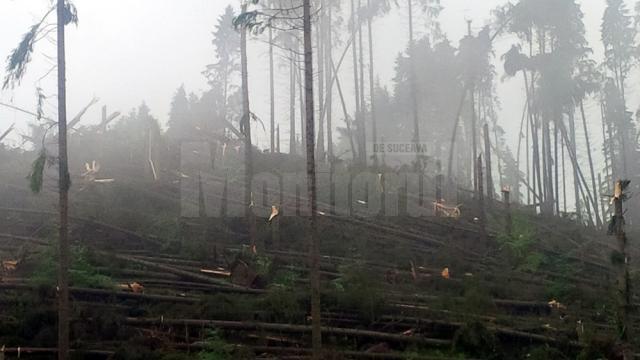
[[37, 172], [82, 272], [520, 243], [283, 304], [477, 299], [229, 307], [285, 278], [476, 340], [358, 289], [20, 57], [215, 347], [70, 13]]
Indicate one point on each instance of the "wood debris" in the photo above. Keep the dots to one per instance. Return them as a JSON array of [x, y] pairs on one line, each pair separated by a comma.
[[445, 273], [219, 272], [134, 287], [274, 212], [9, 265], [440, 208]]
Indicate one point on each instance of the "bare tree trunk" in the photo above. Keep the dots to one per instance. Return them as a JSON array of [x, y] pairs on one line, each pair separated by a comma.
[[363, 103], [316, 334], [320, 59], [356, 81], [564, 174], [303, 115], [63, 186], [292, 104], [272, 92], [529, 177], [591, 168], [474, 141], [246, 129], [347, 121], [329, 71], [607, 156], [556, 168], [414, 88], [374, 130], [454, 134], [487, 155], [534, 139], [576, 184], [621, 263]]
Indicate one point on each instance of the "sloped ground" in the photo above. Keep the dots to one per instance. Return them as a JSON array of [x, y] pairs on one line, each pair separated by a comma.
[[392, 288]]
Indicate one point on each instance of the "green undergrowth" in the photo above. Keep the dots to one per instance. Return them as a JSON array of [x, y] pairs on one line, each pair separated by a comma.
[[83, 272]]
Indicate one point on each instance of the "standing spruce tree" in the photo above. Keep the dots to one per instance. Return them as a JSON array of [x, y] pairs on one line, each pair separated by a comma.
[[618, 38], [223, 73], [553, 32], [258, 21]]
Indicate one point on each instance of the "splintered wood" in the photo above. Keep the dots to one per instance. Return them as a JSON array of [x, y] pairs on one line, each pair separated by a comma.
[[441, 210]]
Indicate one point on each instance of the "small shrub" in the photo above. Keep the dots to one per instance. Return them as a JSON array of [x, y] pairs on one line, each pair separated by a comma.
[[82, 272], [358, 290], [476, 340]]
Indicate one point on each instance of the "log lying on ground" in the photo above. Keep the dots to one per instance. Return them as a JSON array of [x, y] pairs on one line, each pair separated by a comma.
[[280, 350], [33, 240], [36, 350], [245, 325], [188, 275], [108, 293]]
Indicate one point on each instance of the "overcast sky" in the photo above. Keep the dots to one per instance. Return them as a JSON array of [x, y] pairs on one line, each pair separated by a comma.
[[129, 51]]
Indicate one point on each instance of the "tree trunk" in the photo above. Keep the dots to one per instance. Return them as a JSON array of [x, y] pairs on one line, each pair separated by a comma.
[[246, 129], [454, 134], [272, 92], [320, 59], [556, 167], [347, 121], [591, 168], [303, 115], [621, 263], [363, 103], [487, 155], [474, 141], [414, 88], [576, 183], [63, 186], [316, 335], [292, 104], [356, 81], [534, 139], [329, 71], [374, 130]]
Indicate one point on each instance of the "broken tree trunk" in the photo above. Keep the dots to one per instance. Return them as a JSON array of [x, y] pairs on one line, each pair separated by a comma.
[[246, 325], [481, 208], [507, 209], [620, 261], [487, 154]]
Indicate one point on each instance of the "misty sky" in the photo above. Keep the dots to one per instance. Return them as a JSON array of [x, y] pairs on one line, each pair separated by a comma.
[[129, 51]]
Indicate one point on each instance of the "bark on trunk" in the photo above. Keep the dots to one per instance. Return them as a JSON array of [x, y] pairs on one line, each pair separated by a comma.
[[374, 130], [272, 92], [591, 168], [63, 185], [292, 104], [246, 128], [316, 330]]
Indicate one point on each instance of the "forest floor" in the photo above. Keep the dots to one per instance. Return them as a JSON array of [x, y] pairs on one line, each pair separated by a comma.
[[392, 288]]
